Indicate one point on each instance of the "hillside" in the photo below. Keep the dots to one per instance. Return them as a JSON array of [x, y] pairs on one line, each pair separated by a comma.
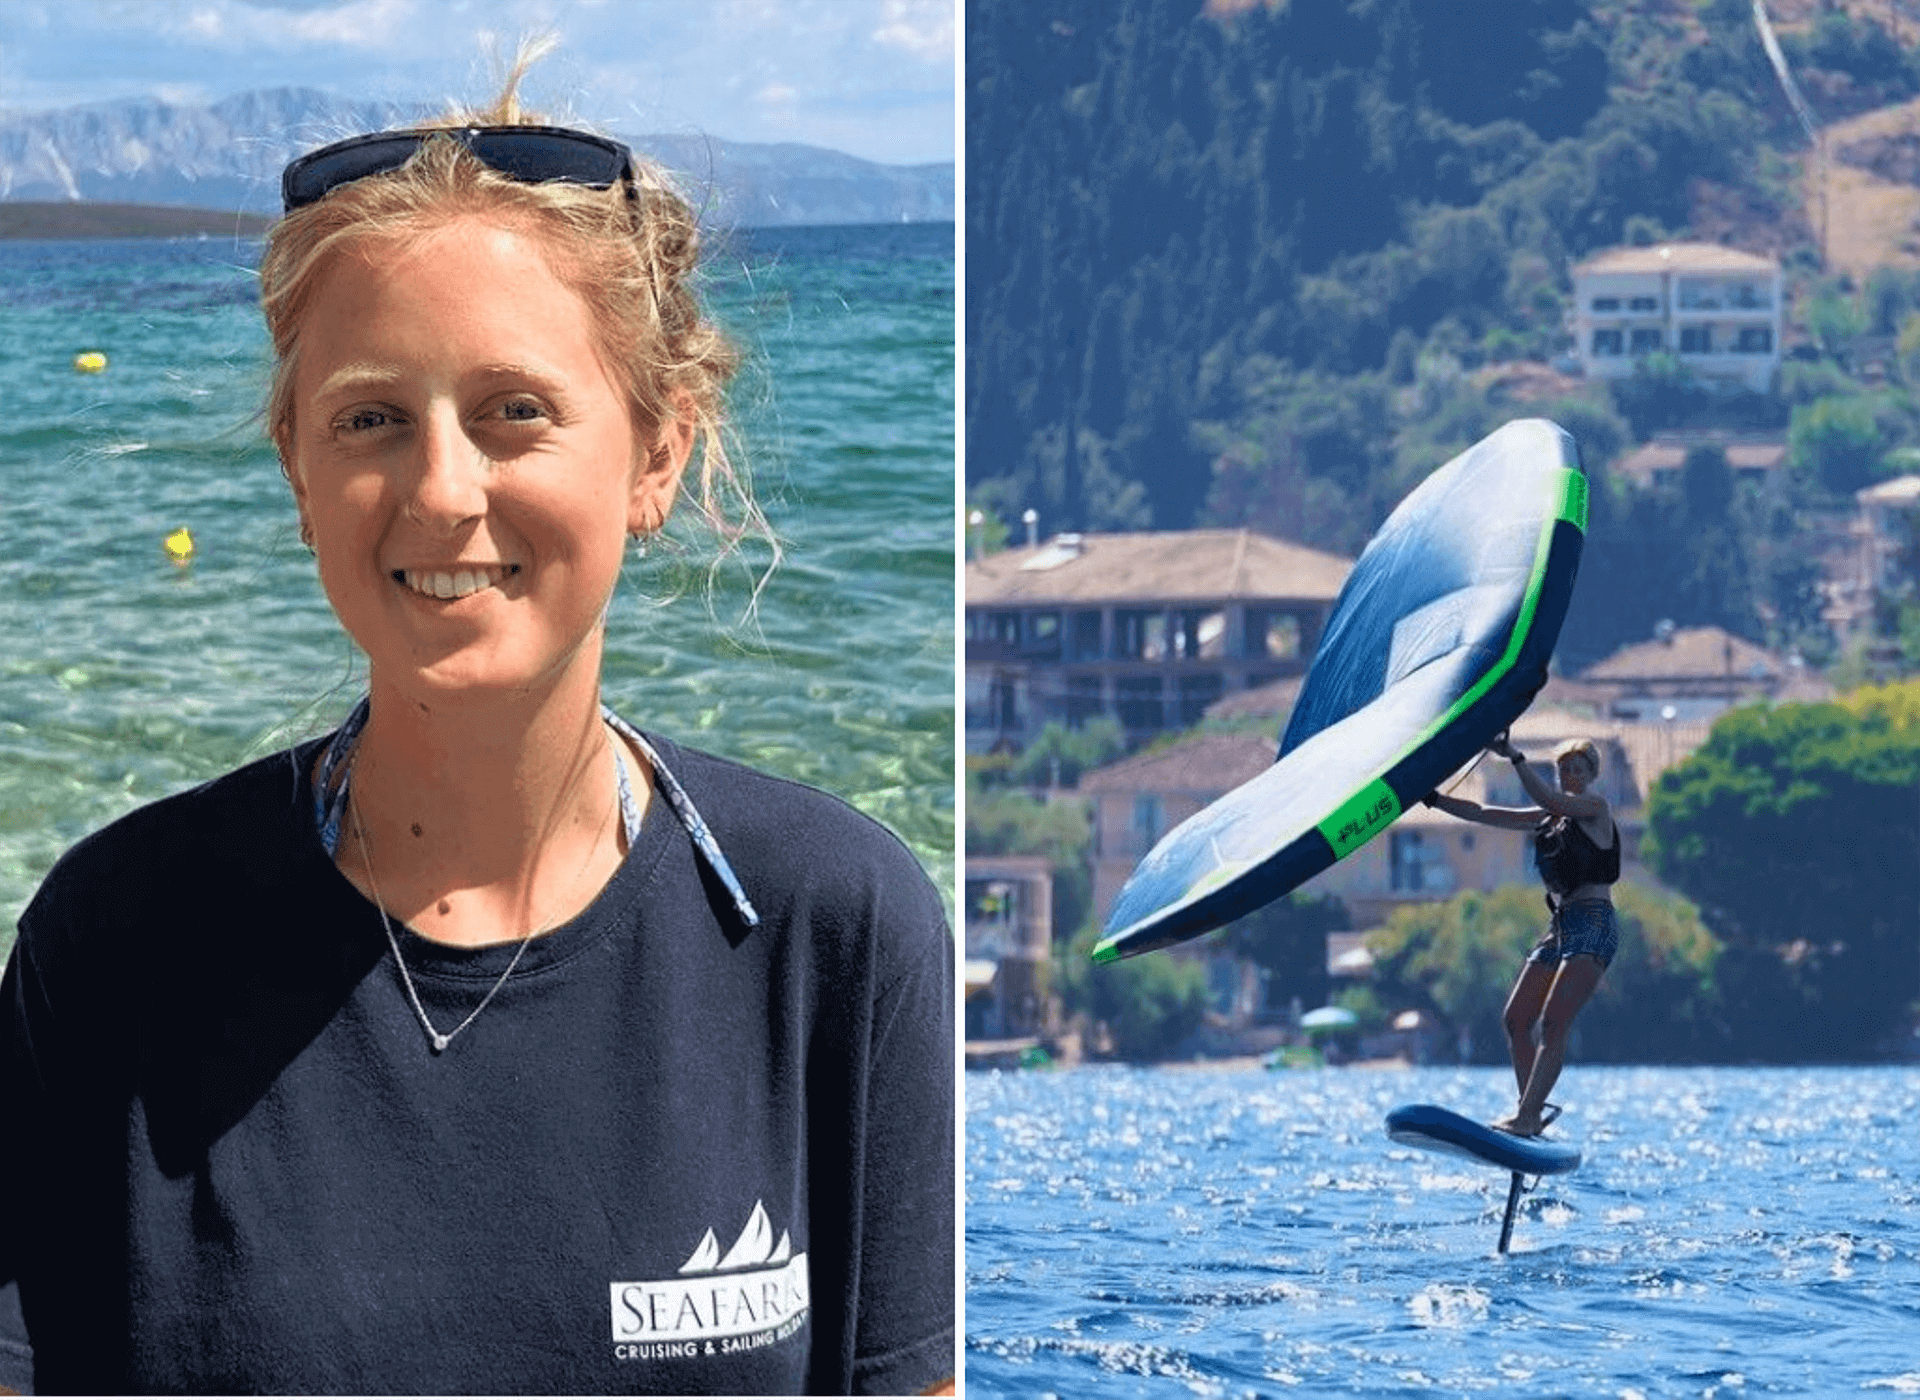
[[1871, 190], [228, 155], [1267, 264]]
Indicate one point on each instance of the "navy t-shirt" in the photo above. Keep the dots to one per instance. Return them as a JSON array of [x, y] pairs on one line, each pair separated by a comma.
[[674, 1154]]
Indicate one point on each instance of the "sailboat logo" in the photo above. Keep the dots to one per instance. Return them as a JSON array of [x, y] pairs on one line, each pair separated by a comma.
[[755, 1246], [752, 1296]]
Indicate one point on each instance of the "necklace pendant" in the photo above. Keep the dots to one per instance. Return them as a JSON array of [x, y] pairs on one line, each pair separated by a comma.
[[440, 1042]]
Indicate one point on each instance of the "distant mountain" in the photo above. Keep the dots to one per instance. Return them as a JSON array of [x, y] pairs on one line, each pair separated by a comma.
[[229, 156]]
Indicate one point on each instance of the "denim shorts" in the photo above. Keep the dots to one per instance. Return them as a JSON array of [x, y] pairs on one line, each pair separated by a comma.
[[1584, 927]]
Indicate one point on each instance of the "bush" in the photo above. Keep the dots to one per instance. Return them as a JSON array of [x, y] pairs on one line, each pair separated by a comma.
[[1149, 1004], [1459, 959], [1796, 830]]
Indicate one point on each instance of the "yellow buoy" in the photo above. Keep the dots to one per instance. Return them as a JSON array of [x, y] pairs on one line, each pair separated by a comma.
[[89, 362], [179, 545]]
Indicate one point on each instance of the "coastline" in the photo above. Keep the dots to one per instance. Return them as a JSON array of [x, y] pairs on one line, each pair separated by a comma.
[[78, 219]]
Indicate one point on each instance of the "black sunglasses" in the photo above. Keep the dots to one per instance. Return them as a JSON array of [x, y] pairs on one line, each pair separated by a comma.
[[531, 154]]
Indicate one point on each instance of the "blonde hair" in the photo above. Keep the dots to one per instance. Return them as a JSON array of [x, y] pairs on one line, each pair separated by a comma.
[[631, 260], [1586, 748]]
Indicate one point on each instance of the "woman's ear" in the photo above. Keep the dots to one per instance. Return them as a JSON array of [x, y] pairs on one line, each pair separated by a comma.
[[657, 471], [299, 500]]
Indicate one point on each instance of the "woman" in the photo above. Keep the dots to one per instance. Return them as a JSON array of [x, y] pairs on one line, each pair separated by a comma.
[[485, 1045], [1577, 848]]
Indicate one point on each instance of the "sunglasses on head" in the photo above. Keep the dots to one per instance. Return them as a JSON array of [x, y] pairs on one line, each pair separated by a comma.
[[531, 154]]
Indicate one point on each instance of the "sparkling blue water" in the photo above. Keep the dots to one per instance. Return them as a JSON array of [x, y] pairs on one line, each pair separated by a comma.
[[1731, 1232], [123, 677]]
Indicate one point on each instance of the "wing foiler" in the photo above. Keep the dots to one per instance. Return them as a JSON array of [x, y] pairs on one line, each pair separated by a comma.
[[1438, 642]]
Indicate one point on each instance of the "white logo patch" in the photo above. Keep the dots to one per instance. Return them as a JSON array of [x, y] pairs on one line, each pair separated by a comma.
[[754, 1295]]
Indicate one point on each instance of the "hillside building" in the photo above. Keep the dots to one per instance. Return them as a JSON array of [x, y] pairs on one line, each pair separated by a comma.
[[1753, 459], [1717, 310], [1150, 628], [1009, 943]]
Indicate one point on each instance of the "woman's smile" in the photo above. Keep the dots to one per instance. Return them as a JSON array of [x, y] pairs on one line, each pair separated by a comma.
[[467, 468], [460, 581]]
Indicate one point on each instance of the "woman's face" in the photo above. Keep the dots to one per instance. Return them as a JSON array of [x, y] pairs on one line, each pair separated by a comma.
[[1574, 772], [466, 468]]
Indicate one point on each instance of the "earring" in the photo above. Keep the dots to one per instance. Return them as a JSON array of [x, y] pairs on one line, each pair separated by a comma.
[[306, 534], [639, 541]]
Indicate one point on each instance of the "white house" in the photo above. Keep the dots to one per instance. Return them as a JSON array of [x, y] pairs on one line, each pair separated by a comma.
[[1718, 310]]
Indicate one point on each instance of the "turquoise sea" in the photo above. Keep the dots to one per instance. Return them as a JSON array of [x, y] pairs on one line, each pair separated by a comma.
[[124, 678], [1731, 1232]]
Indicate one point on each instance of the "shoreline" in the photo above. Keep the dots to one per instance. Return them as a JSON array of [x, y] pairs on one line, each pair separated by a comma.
[[41, 221]]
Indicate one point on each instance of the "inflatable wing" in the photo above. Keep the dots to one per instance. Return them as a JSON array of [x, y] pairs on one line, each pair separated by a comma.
[[1439, 640]]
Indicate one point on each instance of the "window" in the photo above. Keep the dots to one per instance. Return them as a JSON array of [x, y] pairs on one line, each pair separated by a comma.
[[1147, 820], [1408, 861], [1199, 634], [1608, 342], [1417, 865], [1084, 642], [1003, 708], [1083, 700], [1606, 303], [1648, 342], [1749, 298], [1139, 634], [1643, 304], [1137, 701], [1274, 635], [1755, 340], [1699, 296], [1696, 340], [1043, 636]]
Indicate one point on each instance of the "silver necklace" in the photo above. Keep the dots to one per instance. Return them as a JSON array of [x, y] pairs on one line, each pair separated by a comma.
[[435, 1038]]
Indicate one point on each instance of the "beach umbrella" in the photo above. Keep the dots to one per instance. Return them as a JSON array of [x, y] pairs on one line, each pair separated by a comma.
[[1328, 1018]]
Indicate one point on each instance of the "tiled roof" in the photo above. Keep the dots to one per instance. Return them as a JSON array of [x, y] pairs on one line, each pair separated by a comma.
[[1272, 700], [1900, 491], [1694, 654], [1670, 454], [1206, 763], [1157, 566], [1677, 257]]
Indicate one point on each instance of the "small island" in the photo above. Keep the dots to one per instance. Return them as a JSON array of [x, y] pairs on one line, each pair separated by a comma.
[[79, 219]]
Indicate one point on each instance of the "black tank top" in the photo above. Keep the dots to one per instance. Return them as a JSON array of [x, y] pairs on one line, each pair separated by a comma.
[[1568, 858]]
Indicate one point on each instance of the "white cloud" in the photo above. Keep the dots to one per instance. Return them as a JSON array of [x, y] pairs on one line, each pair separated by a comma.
[[357, 24], [873, 77], [923, 28]]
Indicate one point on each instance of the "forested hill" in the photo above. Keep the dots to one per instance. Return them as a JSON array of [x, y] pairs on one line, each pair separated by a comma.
[[1240, 265]]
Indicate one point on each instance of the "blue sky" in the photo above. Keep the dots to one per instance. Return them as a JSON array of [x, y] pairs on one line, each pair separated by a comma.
[[874, 78]]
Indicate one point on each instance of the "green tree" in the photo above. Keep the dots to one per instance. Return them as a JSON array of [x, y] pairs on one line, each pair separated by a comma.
[[1659, 1001], [1148, 1004], [1660, 393], [1058, 754], [1837, 443], [1834, 319], [1002, 822], [1797, 832], [1287, 940], [986, 529], [1459, 959]]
